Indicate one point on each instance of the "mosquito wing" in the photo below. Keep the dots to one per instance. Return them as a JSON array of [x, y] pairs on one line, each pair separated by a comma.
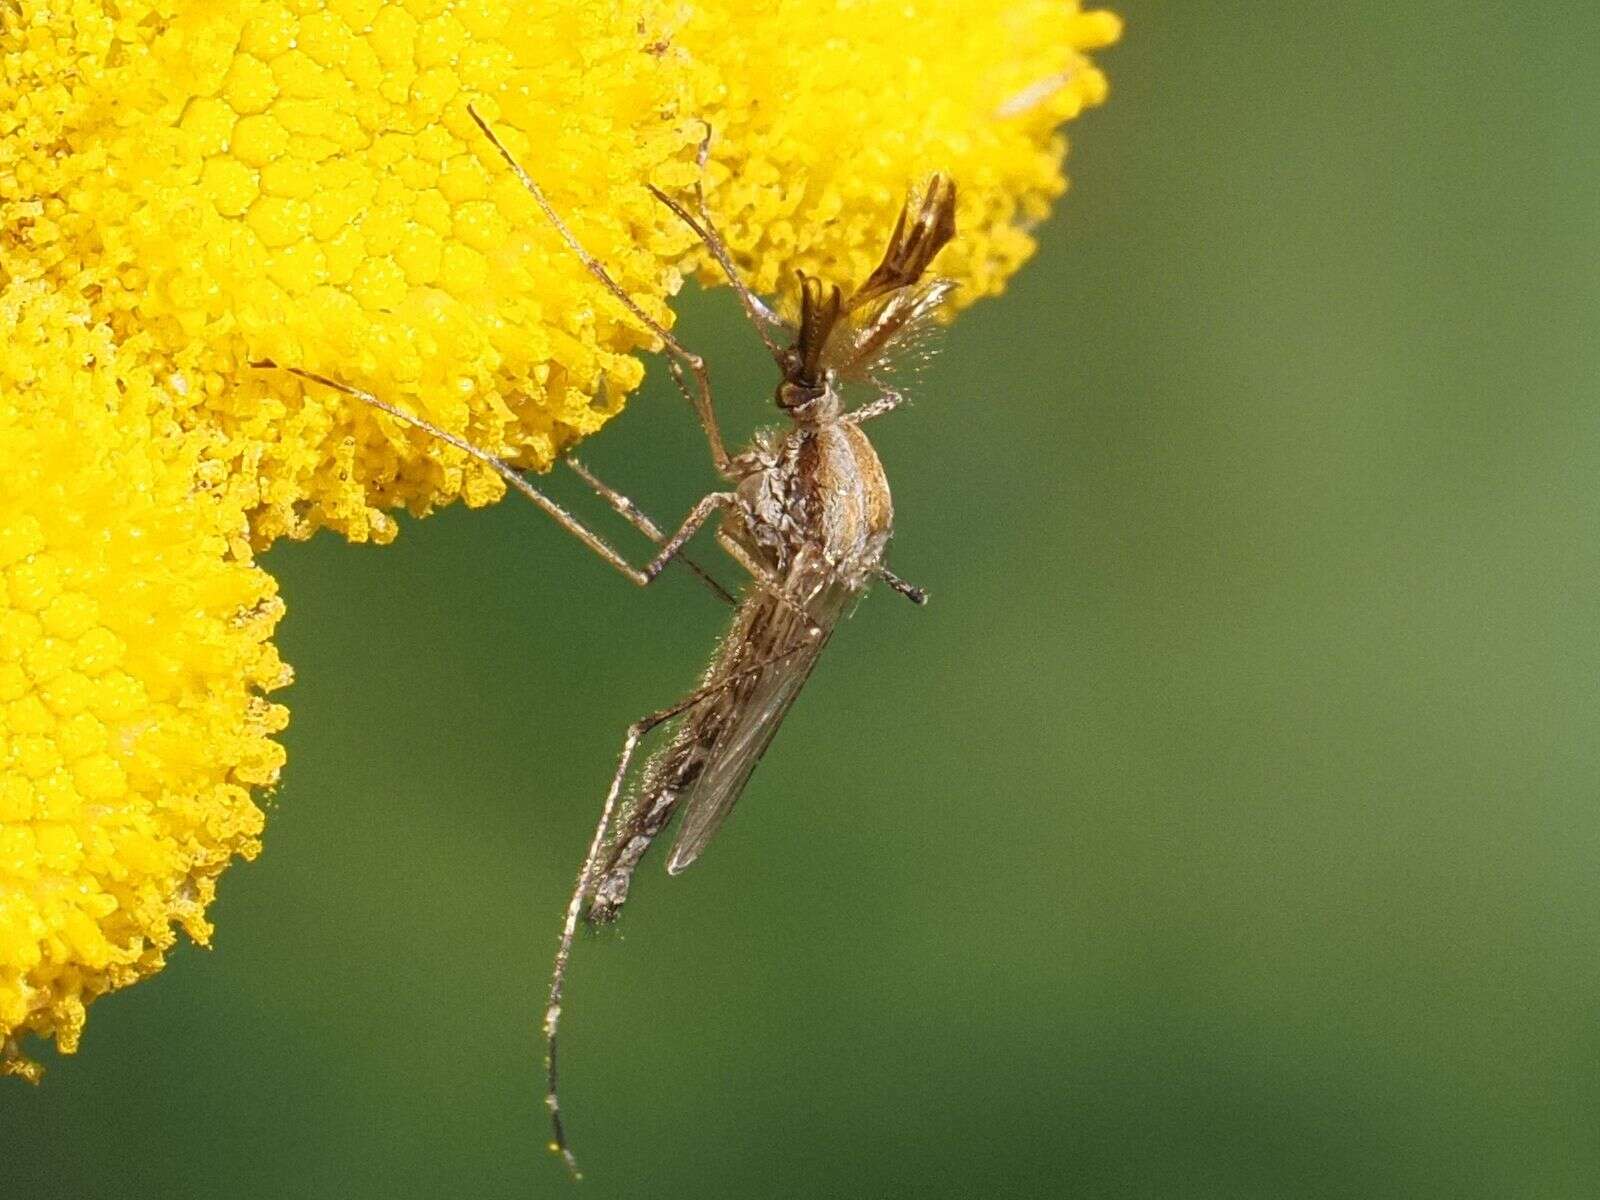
[[894, 337], [756, 704]]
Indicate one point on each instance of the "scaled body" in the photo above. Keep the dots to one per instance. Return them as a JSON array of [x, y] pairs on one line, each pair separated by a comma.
[[814, 507]]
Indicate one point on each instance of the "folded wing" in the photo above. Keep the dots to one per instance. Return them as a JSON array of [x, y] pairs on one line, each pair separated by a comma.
[[772, 644]]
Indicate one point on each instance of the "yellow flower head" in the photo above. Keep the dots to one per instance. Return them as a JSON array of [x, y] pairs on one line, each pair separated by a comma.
[[133, 658], [187, 187]]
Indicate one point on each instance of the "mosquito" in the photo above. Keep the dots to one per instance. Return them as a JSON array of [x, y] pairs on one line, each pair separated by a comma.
[[806, 513]]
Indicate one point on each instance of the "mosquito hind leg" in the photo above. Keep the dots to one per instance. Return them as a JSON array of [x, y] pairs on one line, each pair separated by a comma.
[[585, 885], [634, 515], [569, 926], [639, 831]]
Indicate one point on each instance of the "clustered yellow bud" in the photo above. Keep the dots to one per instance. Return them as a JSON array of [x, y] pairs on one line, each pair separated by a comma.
[[188, 186]]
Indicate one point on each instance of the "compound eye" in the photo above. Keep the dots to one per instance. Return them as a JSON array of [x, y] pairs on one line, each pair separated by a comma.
[[792, 396]]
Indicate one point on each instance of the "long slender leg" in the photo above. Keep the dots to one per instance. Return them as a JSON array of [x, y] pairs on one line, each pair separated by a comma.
[[762, 317], [719, 248], [637, 518], [696, 364], [634, 515], [698, 516], [506, 471], [569, 927]]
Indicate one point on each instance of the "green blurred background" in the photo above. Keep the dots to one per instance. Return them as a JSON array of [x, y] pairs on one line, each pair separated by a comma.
[[1226, 827]]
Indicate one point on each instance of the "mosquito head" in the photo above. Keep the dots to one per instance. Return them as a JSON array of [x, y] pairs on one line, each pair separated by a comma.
[[806, 391], [803, 399], [845, 337]]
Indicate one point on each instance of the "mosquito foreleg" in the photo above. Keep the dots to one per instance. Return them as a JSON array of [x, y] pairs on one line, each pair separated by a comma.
[[761, 316], [512, 476], [677, 352]]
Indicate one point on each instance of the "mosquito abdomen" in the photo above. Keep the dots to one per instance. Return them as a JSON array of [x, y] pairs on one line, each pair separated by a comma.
[[665, 783]]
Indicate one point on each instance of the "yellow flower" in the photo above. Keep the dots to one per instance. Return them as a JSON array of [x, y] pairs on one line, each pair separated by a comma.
[[189, 186], [133, 656], [824, 113]]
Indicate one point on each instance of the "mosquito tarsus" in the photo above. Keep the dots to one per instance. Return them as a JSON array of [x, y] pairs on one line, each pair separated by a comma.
[[808, 517]]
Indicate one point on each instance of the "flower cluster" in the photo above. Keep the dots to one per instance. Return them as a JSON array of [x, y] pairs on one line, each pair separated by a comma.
[[133, 658], [189, 187]]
